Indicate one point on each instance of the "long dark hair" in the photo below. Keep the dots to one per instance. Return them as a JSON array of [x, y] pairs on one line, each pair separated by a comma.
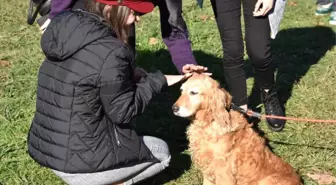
[[116, 17]]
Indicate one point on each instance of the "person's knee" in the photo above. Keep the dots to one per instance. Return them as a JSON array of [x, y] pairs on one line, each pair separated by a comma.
[[161, 152], [165, 163], [159, 149], [259, 52], [259, 56]]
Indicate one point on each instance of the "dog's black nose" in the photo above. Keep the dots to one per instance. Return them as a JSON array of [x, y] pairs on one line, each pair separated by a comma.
[[175, 108]]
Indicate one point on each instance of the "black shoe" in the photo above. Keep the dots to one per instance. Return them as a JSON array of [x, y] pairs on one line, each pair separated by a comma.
[[273, 107]]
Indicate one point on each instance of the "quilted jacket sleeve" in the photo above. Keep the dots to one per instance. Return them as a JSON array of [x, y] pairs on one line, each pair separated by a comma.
[[123, 99]]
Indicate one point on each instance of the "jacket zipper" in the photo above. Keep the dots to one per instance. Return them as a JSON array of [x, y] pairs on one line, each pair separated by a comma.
[[116, 135]]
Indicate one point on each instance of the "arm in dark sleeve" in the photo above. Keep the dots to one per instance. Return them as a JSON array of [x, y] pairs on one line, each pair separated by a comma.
[[123, 99], [175, 33]]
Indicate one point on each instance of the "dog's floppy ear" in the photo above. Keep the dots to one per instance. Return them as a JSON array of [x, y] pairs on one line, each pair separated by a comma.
[[219, 100], [227, 98], [205, 115], [221, 107], [214, 102]]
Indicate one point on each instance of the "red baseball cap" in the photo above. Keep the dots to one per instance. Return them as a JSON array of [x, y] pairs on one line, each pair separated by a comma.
[[141, 6]]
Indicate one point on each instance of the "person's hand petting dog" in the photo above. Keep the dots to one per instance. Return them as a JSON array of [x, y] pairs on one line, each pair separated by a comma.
[[262, 7], [190, 68], [187, 71], [138, 73]]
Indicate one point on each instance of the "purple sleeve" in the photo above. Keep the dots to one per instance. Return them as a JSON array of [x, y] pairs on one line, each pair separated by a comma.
[[57, 6], [175, 33], [180, 51]]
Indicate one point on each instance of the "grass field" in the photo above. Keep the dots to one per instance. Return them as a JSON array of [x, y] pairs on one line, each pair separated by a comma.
[[306, 78]]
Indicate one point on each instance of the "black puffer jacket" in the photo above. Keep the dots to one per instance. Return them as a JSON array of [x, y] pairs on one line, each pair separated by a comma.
[[86, 98]]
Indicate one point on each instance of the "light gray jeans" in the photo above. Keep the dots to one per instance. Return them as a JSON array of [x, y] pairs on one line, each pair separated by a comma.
[[127, 175]]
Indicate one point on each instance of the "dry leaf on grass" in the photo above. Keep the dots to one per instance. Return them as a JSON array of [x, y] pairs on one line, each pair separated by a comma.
[[152, 41], [291, 3], [204, 17], [4, 63], [320, 23], [322, 177]]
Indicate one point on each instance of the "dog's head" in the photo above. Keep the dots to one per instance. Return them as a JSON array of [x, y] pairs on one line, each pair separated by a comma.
[[201, 94]]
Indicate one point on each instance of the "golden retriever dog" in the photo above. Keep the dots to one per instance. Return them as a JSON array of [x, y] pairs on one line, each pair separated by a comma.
[[222, 143]]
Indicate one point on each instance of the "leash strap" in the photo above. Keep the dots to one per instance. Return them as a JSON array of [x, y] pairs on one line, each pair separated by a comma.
[[31, 14], [262, 116]]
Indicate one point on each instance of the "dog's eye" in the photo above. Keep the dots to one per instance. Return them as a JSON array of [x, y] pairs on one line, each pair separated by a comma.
[[193, 92]]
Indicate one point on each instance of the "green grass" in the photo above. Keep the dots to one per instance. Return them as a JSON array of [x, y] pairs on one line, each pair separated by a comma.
[[304, 50]]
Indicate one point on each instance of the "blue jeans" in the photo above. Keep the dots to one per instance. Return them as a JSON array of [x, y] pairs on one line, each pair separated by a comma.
[[127, 175]]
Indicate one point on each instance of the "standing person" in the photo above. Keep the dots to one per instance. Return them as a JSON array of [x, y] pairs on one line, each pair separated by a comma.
[[324, 7], [257, 37], [174, 31], [89, 90]]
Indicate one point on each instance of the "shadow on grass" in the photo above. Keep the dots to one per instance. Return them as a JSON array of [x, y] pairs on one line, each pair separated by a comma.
[[297, 49], [294, 51]]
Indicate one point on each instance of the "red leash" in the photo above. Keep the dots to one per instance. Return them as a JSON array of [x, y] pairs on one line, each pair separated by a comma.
[[263, 116]]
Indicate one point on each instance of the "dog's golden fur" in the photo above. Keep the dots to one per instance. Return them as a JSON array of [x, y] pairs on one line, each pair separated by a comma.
[[223, 144]]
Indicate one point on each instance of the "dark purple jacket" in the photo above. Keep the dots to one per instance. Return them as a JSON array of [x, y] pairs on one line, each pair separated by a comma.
[[173, 28]]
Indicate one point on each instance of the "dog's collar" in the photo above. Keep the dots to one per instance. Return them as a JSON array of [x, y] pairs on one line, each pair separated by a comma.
[[248, 112], [236, 108]]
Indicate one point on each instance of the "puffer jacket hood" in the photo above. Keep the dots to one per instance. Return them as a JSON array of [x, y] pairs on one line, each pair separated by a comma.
[[58, 41]]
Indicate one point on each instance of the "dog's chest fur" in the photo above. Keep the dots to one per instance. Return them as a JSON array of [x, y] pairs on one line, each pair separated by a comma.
[[204, 147]]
